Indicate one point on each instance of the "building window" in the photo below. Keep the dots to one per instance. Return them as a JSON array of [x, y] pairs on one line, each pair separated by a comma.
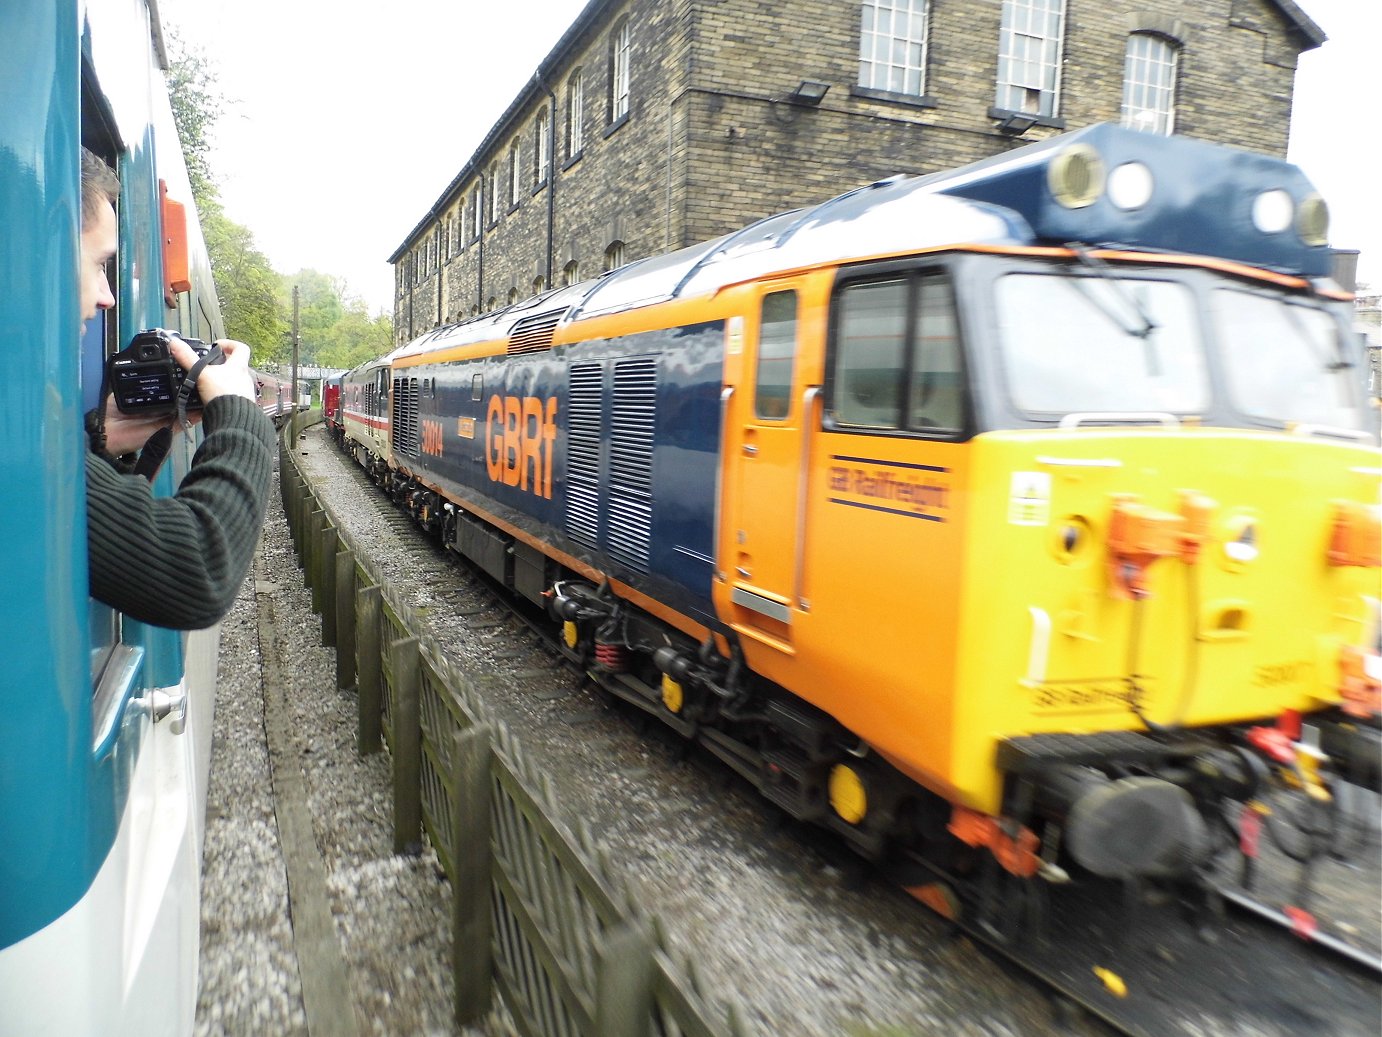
[[619, 71], [570, 273], [513, 296], [1149, 84], [477, 211], [575, 102], [515, 174], [541, 152], [1029, 56], [539, 283], [614, 255], [494, 194], [892, 45]]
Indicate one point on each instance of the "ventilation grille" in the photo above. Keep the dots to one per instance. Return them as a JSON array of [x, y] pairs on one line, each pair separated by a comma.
[[405, 408], [534, 334], [630, 507], [583, 454]]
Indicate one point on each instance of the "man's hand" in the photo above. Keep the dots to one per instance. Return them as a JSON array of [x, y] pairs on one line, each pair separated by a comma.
[[126, 433], [232, 378]]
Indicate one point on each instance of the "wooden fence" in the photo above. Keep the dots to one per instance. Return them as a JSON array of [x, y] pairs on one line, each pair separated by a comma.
[[539, 913]]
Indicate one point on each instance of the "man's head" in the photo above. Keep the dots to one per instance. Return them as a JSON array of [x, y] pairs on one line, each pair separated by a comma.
[[100, 189]]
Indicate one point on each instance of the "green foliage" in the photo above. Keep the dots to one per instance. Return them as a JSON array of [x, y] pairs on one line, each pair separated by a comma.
[[196, 103], [335, 329], [247, 287]]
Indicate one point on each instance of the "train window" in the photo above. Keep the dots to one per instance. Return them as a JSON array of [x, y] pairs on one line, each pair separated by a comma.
[[1286, 362], [870, 353], [935, 399], [477, 387], [1085, 344], [777, 349]]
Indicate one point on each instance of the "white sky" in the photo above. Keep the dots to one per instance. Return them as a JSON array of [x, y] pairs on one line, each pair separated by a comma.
[[329, 150]]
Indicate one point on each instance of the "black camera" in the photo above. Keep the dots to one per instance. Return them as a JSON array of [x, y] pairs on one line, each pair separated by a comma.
[[145, 379]]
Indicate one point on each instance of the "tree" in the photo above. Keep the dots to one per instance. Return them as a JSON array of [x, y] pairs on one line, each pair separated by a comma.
[[334, 327], [245, 282], [247, 288]]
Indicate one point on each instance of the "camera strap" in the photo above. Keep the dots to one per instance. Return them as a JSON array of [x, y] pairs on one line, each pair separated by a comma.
[[152, 453], [212, 356]]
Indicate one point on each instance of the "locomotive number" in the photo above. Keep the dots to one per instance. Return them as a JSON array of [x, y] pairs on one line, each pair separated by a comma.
[[520, 437], [1275, 675], [431, 438]]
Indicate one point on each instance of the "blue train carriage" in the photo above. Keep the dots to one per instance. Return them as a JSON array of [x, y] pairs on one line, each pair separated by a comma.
[[963, 509], [107, 739]]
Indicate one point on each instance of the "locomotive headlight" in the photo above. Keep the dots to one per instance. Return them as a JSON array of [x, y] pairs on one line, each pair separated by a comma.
[[1312, 221], [1272, 211], [1130, 185], [1071, 539], [1076, 176]]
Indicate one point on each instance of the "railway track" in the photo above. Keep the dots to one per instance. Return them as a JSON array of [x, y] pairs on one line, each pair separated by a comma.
[[1153, 972]]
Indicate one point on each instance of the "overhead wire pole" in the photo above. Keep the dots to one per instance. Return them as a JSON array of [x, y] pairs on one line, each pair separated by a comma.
[[295, 347]]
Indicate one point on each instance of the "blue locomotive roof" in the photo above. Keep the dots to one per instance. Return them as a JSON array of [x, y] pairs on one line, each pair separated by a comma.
[[1104, 186], [1165, 194]]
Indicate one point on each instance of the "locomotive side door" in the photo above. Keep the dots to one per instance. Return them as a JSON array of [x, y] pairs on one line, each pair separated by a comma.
[[764, 515]]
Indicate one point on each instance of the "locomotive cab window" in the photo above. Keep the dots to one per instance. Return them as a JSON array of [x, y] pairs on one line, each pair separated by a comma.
[[896, 362], [1095, 344], [1285, 361]]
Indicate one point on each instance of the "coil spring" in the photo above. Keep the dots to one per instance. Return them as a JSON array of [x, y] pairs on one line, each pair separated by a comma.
[[613, 657]]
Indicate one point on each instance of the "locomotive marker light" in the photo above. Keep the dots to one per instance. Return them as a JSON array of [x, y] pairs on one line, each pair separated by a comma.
[[1130, 186]]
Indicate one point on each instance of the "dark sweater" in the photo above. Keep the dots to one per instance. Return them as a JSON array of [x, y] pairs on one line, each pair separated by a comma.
[[179, 561]]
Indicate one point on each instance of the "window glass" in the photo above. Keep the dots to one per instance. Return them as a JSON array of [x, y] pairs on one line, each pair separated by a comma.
[[619, 73], [1286, 362], [1081, 345], [1029, 55], [515, 174], [575, 104], [892, 45], [541, 153], [1149, 84], [777, 350], [870, 353], [936, 396]]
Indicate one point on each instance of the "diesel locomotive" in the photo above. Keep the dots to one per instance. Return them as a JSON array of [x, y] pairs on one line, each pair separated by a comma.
[[107, 736], [1026, 512]]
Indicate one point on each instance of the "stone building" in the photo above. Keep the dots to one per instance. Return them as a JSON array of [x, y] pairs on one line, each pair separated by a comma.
[[654, 124]]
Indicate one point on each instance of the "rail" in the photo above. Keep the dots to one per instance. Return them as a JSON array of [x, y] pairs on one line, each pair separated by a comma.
[[539, 913]]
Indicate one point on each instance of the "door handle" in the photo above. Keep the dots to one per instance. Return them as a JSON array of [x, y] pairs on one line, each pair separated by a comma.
[[169, 704]]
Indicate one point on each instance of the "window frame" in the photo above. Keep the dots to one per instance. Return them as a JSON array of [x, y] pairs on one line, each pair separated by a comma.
[[1159, 81], [913, 275], [620, 71], [1007, 90], [575, 111], [542, 152], [869, 34]]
